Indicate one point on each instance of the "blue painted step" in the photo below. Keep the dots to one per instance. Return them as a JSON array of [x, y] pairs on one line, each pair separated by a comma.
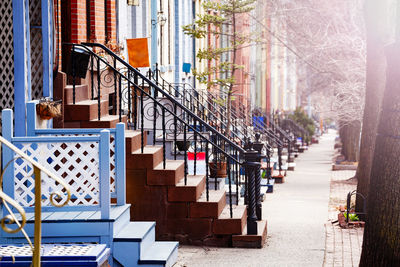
[[135, 245], [55, 255]]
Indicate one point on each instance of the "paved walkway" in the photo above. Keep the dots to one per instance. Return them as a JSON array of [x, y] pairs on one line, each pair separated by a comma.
[[297, 214], [343, 246]]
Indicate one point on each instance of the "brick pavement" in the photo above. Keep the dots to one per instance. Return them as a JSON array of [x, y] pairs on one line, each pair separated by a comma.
[[343, 246]]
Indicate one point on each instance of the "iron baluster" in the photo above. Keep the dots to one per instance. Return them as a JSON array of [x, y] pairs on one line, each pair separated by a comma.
[[115, 87], [73, 76], [141, 121], [230, 188], [129, 97], [185, 157], [250, 166], [154, 118], [236, 171], [175, 129], [91, 76], [98, 89], [195, 147], [163, 129], [207, 175], [120, 98]]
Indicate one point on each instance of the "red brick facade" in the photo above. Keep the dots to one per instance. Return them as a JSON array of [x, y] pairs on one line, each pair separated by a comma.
[[72, 22]]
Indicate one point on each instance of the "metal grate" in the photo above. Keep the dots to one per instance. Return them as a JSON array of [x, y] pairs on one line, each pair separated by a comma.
[[35, 17], [7, 56]]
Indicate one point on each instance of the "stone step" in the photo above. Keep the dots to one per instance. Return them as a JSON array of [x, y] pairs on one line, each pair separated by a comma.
[[81, 93], [170, 175], [251, 241], [85, 110], [187, 193], [134, 140], [108, 121], [208, 209], [225, 225], [149, 159]]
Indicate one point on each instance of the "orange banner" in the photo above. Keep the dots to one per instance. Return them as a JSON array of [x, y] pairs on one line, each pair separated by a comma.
[[138, 52]]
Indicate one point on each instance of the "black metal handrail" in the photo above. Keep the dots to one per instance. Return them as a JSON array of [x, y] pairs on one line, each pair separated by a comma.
[[139, 92], [195, 102]]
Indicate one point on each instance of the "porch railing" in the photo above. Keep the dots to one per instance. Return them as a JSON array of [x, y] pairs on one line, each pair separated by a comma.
[[117, 148], [12, 155], [82, 162]]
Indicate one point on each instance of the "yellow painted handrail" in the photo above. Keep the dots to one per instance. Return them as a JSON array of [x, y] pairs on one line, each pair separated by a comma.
[[11, 218]]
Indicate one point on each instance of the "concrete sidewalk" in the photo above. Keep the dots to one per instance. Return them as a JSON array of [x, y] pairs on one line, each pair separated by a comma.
[[297, 212]]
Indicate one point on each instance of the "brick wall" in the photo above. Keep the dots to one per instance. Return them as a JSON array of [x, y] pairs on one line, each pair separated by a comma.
[[78, 21]]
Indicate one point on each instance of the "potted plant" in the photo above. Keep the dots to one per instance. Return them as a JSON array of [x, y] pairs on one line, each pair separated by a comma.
[[48, 109], [182, 145]]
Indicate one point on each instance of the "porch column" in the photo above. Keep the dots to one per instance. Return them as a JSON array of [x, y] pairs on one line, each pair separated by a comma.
[[47, 42], [154, 33], [22, 63]]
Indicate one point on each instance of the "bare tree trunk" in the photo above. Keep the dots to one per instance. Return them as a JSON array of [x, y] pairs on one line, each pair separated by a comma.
[[377, 34], [350, 137], [381, 245]]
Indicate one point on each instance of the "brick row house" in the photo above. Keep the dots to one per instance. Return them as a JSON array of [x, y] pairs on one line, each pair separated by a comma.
[[75, 51]]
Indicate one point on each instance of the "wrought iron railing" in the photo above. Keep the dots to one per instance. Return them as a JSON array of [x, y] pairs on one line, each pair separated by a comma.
[[199, 103], [150, 109], [9, 150]]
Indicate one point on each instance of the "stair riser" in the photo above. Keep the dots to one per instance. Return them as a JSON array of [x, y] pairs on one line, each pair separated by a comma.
[[207, 209], [186, 194], [135, 143], [127, 253], [81, 93], [85, 112], [230, 226], [165, 177], [122, 221], [102, 124], [144, 161]]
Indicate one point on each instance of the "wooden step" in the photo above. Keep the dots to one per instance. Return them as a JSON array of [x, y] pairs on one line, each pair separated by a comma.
[[187, 193], [251, 241], [81, 93], [160, 253], [225, 225], [170, 175], [208, 209], [149, 159], [108, 121], [134, 140]]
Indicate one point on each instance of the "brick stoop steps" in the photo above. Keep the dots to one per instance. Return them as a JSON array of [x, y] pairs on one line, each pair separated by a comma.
[[156, 194], [181, 211]]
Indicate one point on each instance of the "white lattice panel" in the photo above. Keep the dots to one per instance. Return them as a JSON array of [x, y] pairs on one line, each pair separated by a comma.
[[7, 56], [76, 163], [35, 17], [112, 159]]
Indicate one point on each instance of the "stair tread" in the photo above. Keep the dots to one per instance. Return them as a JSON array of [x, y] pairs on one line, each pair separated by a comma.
[[192, 181], [170, 165], [147, 150], [131, 133], [260, 229], [238, 212], [159, 251], [134, 231], [107, 118], [87, 102], [214, 196]]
